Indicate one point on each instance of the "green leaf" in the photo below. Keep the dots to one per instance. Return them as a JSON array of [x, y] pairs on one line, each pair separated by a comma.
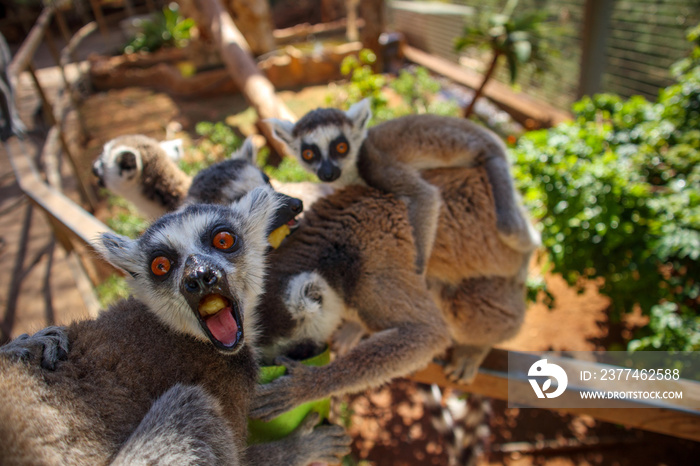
[[522, 50]]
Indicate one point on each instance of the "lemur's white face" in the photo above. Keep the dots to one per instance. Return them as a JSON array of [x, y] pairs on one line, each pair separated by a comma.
[[201, 269], [327, 141], [119, 166]]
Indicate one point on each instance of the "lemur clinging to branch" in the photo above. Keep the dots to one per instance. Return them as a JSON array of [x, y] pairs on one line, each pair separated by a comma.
[[338, 147]]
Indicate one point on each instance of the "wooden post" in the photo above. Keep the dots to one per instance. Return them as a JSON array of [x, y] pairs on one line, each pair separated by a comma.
[[99, 17], [594, 34], [257, 89], [372, 11], [352, 33]]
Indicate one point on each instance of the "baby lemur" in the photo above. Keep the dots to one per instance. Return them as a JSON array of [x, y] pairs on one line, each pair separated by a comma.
[[186, 342], [338, 147]]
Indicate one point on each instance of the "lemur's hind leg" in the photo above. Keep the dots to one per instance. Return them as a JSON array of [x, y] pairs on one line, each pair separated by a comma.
[[185, 426], [307, 444], [46, 347]]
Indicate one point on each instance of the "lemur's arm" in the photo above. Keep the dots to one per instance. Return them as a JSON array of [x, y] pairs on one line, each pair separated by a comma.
[[46, 347], [397, 350]]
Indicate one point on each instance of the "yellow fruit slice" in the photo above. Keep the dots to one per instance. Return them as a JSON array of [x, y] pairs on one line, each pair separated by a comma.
[[277, 236], [211, 305]]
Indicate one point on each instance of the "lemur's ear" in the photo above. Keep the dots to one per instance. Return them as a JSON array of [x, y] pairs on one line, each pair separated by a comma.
[[282, 130], [257, 209], [247, 151], [173, 148], [120, 251], [360, 114]]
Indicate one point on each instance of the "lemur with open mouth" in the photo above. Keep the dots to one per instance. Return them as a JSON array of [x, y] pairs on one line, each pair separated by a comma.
[[182, 350], [338, 147]]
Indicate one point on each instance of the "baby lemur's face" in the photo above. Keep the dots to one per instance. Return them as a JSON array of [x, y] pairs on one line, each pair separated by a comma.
[[326, 141], [201, 269]]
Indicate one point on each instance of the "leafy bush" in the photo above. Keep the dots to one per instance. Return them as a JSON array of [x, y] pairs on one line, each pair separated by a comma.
[[167, 28], [617, 194], [125, 220], [111, 290], [416, 88], [218, 141]]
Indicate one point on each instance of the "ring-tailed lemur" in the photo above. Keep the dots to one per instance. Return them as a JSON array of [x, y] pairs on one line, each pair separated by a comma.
[[198, 273], [143, 171], [338, 147]]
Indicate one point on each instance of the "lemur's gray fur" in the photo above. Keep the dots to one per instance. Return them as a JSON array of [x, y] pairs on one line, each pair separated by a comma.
[[338, 147], [198, 274]]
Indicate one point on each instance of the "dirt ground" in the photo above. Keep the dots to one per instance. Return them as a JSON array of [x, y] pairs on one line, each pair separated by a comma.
[[390, 425]]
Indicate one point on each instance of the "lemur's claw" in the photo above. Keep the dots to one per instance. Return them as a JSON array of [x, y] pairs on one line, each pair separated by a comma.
[[46, 347]]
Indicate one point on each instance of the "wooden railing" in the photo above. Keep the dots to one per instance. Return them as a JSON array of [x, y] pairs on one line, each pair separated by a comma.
[[75, 228]]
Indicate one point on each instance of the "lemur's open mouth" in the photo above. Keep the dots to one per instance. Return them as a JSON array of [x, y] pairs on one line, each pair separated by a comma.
[[221, 321]]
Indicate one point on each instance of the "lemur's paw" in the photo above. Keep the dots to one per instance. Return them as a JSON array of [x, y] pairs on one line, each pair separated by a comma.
[[46, 347], [463, 371], [282, 394], [324, 443], [347, 337], [464, 363]]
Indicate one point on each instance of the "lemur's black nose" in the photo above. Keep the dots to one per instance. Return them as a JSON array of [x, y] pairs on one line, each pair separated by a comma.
[[295, 205], [199, 276]]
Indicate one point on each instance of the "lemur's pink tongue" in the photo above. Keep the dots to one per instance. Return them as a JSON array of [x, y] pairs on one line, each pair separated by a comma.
[[223, 326]]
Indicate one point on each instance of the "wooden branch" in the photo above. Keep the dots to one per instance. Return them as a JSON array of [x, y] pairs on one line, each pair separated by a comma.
[[530, 112], [66, 215], [302, 31], [235, 52], [492, 381], [26, 52]]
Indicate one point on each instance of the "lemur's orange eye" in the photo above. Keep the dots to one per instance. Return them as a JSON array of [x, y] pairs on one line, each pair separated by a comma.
[[341, 147], [307, 155], [160, 266], [224, 240]]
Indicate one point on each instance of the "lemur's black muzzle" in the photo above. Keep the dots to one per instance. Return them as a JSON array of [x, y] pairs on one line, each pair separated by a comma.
[[201, 277], [288, 209], [328, 171]]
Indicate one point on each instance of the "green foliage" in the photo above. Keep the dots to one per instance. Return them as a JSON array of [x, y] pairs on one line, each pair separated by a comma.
[[219, 141], [617, 194], [111, 290], [125, 219], [288, 171], [519, 36], [416, 88], [168, 28], [364, 83]]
